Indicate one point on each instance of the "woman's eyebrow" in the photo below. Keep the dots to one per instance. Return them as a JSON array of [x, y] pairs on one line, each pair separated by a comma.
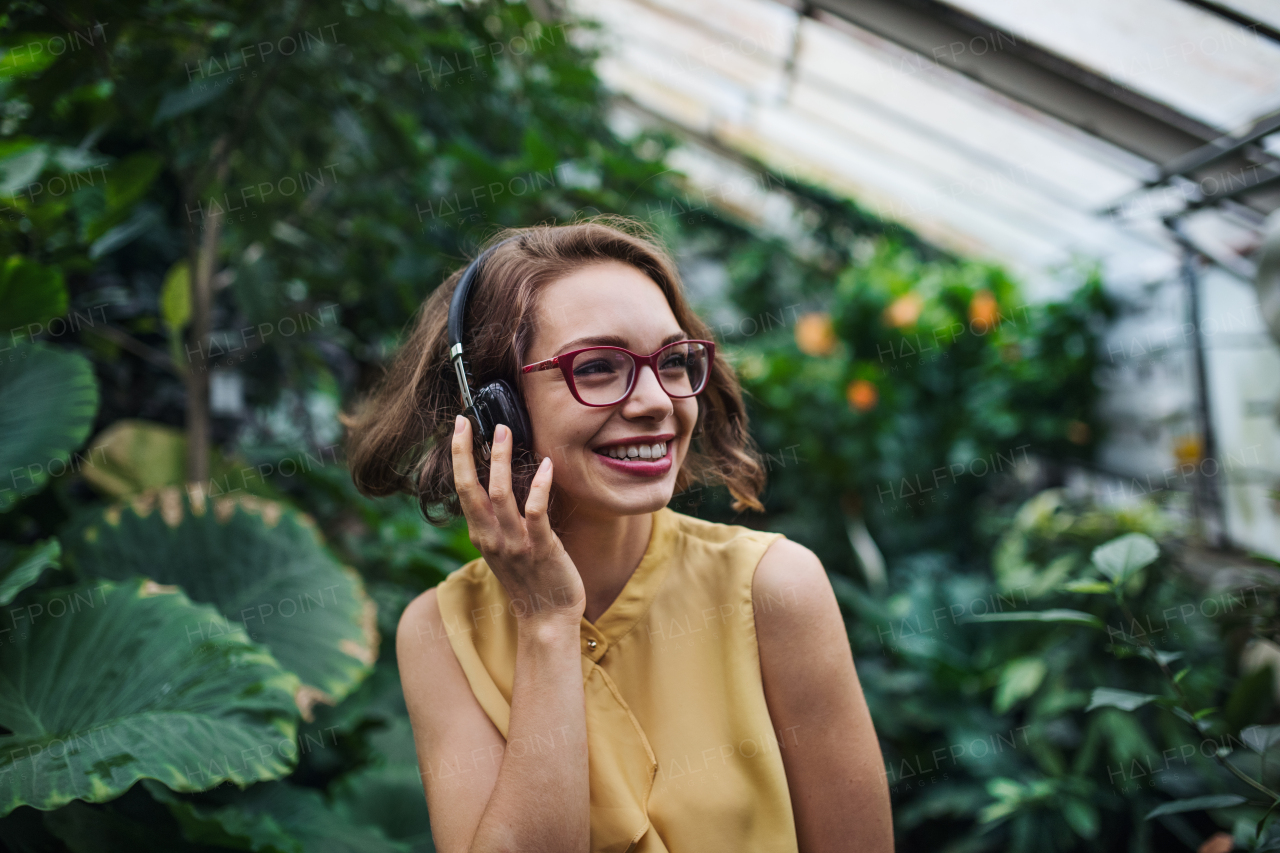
[[612, 341]]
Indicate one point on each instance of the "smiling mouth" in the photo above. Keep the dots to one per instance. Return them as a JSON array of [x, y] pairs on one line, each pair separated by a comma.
[[620, 459], [632, 452]]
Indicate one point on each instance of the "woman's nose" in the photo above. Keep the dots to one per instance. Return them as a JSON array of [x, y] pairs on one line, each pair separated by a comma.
[[648, 398]]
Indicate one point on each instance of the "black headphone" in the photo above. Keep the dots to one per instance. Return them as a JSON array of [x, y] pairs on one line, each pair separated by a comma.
[[497, 402]]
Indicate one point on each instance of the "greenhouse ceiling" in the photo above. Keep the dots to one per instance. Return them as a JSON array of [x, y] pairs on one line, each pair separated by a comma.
[[1028, 132]]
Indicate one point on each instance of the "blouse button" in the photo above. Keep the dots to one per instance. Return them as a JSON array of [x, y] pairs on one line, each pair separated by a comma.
[[591, 644]]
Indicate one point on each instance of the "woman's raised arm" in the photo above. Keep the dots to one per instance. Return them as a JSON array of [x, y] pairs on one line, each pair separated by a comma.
[[480, 796]]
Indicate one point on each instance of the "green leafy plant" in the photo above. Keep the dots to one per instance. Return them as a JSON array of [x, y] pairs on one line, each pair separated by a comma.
[[1020, 708], [166, 260], [102, 689]]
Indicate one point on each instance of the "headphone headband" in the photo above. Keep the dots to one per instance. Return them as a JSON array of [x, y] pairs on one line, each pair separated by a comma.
[[497, 402], [460, 294], [457, 311]]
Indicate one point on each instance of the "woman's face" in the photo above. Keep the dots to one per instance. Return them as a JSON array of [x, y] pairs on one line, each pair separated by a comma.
[[609, 299]]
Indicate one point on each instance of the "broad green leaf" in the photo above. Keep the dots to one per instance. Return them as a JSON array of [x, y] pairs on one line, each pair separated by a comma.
[[1261, 738], [144, 218], [1020, 679], [175, 298], [1081, 816], [195, 95], [104, 686], [131, 456], [48, 399], [31, 295], [1250, 698], [1057, 615], [20, 568], [1088, 587], [1125, 700], [1160, 657], [33, 54], [389, 797], [1197, 804], [86, 828], [389, 794], [274, 816], [129, 179], [260, 563], [20, 167], [1008, 794], [1120, 558], [127, 182], [210, 824], [1197, 719]]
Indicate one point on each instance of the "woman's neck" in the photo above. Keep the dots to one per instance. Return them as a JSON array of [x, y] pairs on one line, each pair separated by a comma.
[[606, 551]]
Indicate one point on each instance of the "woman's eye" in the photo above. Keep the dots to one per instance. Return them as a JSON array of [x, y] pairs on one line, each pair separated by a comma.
[[593, 367], [675, 362]]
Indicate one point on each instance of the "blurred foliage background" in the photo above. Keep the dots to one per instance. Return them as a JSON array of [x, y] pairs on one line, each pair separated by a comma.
[[219, 217]]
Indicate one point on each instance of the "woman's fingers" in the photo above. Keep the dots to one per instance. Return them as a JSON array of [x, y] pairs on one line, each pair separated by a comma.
[[535, 507], [504, 503], [470, 494]]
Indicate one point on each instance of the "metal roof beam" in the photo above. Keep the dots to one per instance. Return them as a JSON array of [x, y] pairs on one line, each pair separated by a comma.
[[1223, 146], [1235, 17], [1011, 65]]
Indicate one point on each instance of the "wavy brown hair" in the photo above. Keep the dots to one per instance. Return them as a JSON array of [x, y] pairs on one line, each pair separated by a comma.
[[399, 439]]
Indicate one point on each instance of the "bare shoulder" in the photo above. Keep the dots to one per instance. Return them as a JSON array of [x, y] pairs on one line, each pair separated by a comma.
[[435, 687], [804, 647], [423, 613], [790, 586], [835, 773], [420, 636]]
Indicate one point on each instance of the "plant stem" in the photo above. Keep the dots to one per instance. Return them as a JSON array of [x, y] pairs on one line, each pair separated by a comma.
[[1182, 702]]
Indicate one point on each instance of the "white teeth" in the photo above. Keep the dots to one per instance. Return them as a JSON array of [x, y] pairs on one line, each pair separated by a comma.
[[638, 451]]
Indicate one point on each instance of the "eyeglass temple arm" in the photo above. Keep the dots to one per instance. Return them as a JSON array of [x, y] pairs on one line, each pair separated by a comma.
[[543, 365]]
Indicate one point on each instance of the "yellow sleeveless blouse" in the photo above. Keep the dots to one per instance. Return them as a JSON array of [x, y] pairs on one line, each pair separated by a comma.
[[683, 755]]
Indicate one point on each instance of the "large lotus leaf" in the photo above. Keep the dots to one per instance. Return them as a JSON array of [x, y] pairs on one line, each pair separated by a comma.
[[48, 398], [102, 685], [127, 824], [21, 567], [131, 456], [388, 793], [259, 562], [390, 798], [275, 817]]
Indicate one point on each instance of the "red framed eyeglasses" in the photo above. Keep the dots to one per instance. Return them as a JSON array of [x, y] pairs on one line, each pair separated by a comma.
[[605, 376]]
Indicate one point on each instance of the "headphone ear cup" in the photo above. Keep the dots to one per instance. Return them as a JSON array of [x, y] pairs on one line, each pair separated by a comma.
[[496, 404]]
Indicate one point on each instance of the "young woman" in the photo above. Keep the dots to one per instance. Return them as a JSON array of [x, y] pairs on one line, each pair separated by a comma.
[[612, 675]]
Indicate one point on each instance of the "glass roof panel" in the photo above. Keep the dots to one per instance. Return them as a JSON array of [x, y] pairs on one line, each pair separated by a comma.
[[966, 167], [1193, 60]]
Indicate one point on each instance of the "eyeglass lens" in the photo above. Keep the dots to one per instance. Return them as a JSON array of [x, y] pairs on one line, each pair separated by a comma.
[[603, 375]]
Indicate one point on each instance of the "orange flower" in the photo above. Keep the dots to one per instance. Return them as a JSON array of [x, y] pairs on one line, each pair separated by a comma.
[[904, 311], [983, 311], [1187, 450], [815, 335], [862, 395]]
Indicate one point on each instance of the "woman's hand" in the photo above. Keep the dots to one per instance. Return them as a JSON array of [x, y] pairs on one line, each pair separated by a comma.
[[525, 553]]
